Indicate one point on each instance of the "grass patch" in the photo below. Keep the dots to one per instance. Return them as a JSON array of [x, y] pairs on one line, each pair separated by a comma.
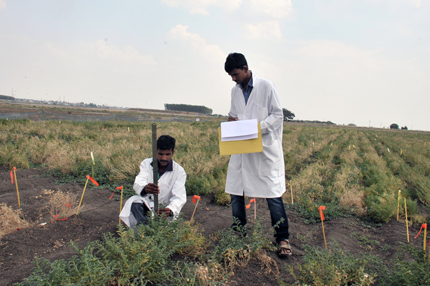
[[334, 267], [410, 267], [11, 220]]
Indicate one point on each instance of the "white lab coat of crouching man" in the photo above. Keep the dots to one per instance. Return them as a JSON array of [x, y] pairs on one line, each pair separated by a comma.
[[170, 189]]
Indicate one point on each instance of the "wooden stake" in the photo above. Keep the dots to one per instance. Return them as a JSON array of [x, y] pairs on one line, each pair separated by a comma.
[[155, 164], [86, 182], [321, 208], [398, 205], [16, 184], [325, 242], [120, 204], [425, 240], [423, 226], [407, 227], [292, 196], [92, 166], [191, 219], [196, 200], [255, 210]]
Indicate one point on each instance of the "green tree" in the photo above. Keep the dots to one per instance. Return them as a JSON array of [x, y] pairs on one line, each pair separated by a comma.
[[288, 115], [394, 126]]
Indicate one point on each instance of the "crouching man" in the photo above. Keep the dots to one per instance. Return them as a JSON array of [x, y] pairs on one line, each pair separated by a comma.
[[170, 189]]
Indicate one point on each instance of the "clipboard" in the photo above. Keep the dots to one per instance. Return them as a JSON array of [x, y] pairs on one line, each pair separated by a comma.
[[241, 146]]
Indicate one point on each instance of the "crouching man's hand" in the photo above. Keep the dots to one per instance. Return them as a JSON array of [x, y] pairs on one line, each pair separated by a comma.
[[151, 188], [166, 212]]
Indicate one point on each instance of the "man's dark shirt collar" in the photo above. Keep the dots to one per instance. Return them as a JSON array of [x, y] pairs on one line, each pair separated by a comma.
[[249, 87], [169, 167]]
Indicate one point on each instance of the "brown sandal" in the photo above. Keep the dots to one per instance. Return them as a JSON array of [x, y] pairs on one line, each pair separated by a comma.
[[284, 247]]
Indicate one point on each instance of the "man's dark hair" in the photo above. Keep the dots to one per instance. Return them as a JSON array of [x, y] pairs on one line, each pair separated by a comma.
[[166, 142], [235, 61]]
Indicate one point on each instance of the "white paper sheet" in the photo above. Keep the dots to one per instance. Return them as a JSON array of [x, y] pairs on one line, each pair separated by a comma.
[[239, 130]]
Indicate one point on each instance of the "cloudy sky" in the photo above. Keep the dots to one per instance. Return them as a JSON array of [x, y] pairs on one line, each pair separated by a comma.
[[365, 62]]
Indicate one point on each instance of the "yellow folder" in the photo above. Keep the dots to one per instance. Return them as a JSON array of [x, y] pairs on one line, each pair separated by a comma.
[[241, 146]]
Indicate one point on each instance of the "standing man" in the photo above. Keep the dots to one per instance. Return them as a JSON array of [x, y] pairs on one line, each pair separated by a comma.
[[259, 175], [170, 189]]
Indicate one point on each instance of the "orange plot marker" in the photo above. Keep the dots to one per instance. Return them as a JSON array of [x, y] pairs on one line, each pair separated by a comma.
[[12, 175], [86, 182], [423, 226], [321, 208], [120, 206], [196, 200], [250, 202], [255, 208]]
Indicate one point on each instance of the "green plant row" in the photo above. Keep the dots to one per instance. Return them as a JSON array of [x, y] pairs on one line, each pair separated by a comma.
[[159, 253], [335, 266], [351, 174]]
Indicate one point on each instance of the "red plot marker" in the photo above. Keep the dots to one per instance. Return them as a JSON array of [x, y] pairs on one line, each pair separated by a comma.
[[86, 182], [56, 218], [12, 175], [321, 208], [196, 200], [423, 226]]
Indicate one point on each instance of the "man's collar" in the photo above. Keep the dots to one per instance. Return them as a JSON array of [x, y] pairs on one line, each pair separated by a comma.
[[250, 83], [169, 167]]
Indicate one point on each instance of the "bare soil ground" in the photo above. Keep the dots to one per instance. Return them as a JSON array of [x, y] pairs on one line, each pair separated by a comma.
[[100, 215]]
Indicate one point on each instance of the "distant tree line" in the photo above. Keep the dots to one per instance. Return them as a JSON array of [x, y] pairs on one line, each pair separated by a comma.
[[6, 97], [188, 108], [396, 126]]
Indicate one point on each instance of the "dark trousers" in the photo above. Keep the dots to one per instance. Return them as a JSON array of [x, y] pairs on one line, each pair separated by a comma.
[[140, 213], [277, 211]]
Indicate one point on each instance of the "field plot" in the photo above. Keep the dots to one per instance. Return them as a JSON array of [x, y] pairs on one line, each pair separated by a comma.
[[359, 171], [355, 173]]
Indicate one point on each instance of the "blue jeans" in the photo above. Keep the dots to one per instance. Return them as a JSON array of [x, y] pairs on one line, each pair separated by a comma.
[[277, 211]]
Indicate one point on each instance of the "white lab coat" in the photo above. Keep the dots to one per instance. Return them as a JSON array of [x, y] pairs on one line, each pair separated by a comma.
[[258, 175], [172, 190]]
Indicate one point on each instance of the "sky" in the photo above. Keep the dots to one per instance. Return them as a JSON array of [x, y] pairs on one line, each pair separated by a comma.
[[363, 62]]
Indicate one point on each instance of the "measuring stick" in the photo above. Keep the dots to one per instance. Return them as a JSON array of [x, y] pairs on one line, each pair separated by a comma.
[[155, 164]]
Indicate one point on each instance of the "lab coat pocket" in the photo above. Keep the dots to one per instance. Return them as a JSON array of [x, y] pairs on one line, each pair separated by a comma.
[[262, 112], [269, 160], [164, 194]]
